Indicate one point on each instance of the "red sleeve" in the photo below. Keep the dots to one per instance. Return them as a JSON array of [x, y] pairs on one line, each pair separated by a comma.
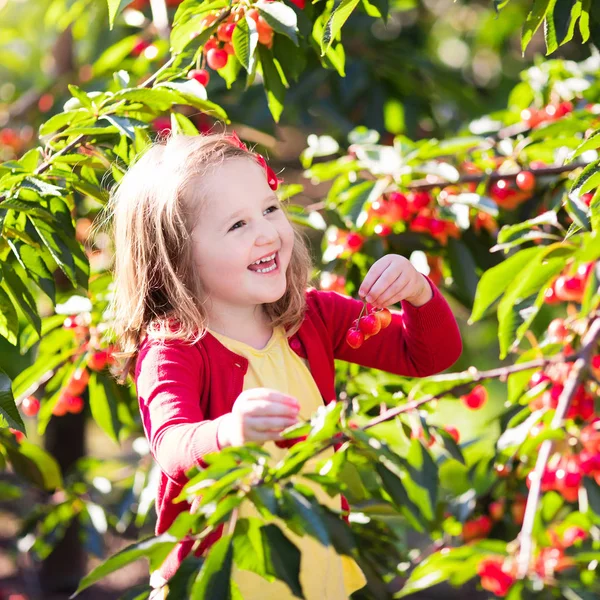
[[420, 341], [169, 383]]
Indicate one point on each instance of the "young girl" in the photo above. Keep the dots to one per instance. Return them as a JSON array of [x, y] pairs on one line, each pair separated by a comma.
[[212, 299]]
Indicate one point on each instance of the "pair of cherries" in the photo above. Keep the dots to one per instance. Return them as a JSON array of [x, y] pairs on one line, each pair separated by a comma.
[[367, 325]]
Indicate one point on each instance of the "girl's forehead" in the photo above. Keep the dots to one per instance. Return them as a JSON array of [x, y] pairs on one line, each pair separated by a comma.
[[234, 183]]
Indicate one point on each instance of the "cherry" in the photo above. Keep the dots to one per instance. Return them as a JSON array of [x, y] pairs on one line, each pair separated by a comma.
[[437, 226], [398, 206], [228, 47], [139, 47], [162, 125], [98, 360], [355, 338], [502, 471], [354, 241], [330, 282], [454, 434], [216, 58], [30, 406], [225, 31], [202, 76], [517, 510], [476, 398], [531, 117], [550, 296], [477, 528], [369, 325], [60, 408], [418, 434], [501, 191], [265, 32], [73, 404], [587, 198], [78, 382], [418, 200], [70, 322], [537, 378], [573, 535], [569, 289], [211, 44], [385, 317], [494, 577], [525, 181], [382, 230], [379, 208], [496, 510], [19, 435], [557, 330]]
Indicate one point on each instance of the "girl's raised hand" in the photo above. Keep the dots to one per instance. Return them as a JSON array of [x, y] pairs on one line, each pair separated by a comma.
[[394, 278], [258, 415]]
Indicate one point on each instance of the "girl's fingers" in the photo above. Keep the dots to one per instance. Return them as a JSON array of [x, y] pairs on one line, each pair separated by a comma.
[[397, 292], [272, 424], [372, 276], [271, 409], [387, 285]]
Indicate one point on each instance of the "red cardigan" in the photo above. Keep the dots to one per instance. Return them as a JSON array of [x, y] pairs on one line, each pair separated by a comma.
[[185, 390]]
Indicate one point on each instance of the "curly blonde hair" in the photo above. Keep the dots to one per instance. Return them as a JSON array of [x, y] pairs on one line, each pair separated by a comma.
[[156, 289]]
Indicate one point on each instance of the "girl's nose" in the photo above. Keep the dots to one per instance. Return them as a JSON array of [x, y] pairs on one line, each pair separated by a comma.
[[267, 233]]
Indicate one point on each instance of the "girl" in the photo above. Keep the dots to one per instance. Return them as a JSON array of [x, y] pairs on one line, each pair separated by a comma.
[[211, 299]]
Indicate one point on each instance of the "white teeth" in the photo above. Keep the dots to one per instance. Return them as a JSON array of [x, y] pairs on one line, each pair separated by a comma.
[[266, 259], [267, 269]]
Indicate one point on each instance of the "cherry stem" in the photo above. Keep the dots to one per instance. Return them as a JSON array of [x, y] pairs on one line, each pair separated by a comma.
[[362, 310], [576, 376]]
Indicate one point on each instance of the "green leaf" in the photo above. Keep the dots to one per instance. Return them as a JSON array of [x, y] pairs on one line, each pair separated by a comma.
[[155, 548], [36, 465], [245, 41], [282, 558], [587, 180], [534, 20], [308, 513], [338, 17], [9, 320], [103, 404], [422, 483], [214, 578], [522, 298], [280, 17], [591, 143], [9, 413], [114, 8], [550, 34], [21, 296], [578, 211], [463, 267], [494, 281], [34, 261], [273, 82]]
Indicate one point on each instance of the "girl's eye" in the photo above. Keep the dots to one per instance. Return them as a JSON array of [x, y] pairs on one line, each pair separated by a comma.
[[272, 209], [236, 225]]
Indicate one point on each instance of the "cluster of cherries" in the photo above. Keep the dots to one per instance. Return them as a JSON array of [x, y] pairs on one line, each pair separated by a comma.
[[532, 117], [367, 325], [219, 47], [569, 287], [498, 573]]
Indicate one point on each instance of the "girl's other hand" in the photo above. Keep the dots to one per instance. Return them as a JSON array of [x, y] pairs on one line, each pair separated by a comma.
[[258, 415], [393, 278]]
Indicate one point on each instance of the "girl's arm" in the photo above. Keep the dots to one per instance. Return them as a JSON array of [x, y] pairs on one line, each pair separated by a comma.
[[420, 341], [169, 386]]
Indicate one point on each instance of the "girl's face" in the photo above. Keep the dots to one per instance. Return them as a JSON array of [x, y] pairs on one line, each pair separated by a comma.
[[241, 222]]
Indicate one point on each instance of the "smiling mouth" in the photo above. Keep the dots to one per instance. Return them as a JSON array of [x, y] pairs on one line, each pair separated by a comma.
[[266, 264]]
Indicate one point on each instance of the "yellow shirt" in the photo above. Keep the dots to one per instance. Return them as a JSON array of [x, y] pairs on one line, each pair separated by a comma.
[[324, 575]]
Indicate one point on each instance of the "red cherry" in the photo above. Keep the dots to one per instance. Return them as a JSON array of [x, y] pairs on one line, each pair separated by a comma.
[[253, 14], [369, 325], [210, 44], [454, 434], [74, 404], [380, 208], [354, 241], [476, 398], [557, 330], [518, 510], [537, 378], [139, 47], [569, 289], [573, 534], [418, 200], [355, 338], [587, 198], [398, 206], [531, 117], [550, 296], [494, 577], [526, 181], [98, 360], [19, 435], [30, 406], [60, 408], [385, 317], [78, 382], [564, 108], [382, 230], [225, 31], [70, 323], [217, 58], [496, 510], [202, 76]]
